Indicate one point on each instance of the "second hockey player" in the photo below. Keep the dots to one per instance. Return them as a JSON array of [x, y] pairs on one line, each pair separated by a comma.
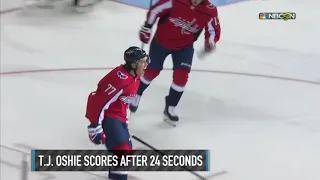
[[179, 26]]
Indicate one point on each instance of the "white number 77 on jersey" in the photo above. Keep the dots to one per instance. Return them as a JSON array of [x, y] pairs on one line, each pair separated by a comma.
[[110, 89]]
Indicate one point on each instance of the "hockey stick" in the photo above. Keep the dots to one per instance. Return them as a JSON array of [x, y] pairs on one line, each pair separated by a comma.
[[158, 151]]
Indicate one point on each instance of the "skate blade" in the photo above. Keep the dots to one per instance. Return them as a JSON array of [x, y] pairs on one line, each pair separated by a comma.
[[168, 121]]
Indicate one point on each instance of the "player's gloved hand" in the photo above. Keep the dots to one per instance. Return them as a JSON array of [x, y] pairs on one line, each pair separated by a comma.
[[209, 45], [96, 134], [145, 33]]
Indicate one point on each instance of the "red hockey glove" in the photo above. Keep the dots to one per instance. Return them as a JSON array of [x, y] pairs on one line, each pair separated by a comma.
[[209, 45], [96, 134], [145, 33]]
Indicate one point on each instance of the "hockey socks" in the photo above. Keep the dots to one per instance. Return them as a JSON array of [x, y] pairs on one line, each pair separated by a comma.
[[175, 95], [180, 78], [136, 100], [143, 85], [146, 79]]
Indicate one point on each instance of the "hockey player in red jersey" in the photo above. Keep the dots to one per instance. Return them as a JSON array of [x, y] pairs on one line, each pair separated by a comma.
[[180, 23], [107, 106]]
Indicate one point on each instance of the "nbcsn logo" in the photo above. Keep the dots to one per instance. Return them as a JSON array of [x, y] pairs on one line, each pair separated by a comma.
[[277, 15]]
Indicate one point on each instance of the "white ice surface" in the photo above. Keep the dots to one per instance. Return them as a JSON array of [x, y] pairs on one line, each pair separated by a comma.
[[256, 128]]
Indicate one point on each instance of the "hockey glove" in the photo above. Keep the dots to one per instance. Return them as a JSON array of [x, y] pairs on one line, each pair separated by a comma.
[[209, 45], [96, 134], [145, 33]]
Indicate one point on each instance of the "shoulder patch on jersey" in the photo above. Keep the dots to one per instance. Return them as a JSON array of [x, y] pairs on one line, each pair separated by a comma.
[[121, 75], [211, 6]]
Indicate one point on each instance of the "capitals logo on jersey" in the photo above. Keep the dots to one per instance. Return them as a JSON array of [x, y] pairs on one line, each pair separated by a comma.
[[187, 27], [121, 75]]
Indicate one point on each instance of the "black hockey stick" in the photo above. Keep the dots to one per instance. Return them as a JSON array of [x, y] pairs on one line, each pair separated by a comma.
[[158, 151]]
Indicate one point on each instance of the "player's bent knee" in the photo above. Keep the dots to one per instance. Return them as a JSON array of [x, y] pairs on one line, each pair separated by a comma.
[[149, 75], [180, 77]]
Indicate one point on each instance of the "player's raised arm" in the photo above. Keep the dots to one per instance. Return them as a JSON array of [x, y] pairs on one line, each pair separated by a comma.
[[157, 10], [212, 30], [161, 8]]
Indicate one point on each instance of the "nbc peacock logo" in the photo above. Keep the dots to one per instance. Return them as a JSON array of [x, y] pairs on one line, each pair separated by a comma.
[[262, 16]]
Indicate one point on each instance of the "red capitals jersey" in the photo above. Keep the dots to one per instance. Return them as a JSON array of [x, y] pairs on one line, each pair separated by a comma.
[[180, 23], [113, 96]]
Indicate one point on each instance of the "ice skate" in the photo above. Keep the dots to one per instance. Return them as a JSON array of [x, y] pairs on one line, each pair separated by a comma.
[[169, 115], [134, 104]]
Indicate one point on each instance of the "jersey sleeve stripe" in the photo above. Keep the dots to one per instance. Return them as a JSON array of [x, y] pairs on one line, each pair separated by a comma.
[[211, 31], [157, 10], [106, 106]]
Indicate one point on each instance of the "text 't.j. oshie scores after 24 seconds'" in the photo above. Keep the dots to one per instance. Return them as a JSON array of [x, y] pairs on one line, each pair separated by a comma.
[[129, 160]]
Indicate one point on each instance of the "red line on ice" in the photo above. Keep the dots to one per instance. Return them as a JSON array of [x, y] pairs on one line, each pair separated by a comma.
[[167, 69]]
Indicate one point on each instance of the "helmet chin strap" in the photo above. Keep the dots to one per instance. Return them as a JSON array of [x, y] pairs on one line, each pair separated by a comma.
[[135, 71]]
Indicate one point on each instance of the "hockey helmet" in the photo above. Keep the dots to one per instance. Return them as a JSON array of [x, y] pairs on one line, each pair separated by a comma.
[[134, 54]]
